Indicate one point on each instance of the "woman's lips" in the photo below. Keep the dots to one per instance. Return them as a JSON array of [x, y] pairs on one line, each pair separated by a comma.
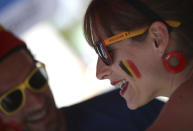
[[123, 89], [122, 84], [115, 82]]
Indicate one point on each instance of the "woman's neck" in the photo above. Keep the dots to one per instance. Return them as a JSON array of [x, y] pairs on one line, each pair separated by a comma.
[[178, 79]]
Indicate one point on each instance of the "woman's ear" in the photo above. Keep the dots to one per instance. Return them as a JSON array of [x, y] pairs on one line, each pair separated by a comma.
[[159, 34]]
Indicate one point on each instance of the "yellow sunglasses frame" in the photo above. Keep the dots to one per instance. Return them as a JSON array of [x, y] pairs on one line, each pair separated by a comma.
[[127, 35], [22, 87]]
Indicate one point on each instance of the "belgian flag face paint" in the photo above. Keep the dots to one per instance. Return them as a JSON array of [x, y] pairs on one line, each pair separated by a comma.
[[130, 68]]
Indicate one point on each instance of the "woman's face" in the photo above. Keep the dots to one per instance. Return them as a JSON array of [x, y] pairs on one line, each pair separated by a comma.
[[145, 67]]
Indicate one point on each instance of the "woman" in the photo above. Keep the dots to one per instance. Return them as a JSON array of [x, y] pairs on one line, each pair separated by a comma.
[[146, 48]]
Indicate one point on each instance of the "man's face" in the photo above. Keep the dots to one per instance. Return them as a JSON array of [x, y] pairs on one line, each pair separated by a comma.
[[38, 112]]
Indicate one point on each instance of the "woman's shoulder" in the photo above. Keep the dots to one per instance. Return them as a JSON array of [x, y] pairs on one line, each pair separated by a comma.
[[177, 113], [183, 95]]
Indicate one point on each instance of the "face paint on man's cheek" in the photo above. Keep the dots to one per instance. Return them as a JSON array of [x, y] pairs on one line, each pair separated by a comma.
[[12, 126], [130, 68]]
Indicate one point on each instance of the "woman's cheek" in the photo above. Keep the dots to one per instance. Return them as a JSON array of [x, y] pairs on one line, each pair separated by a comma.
[[130, 68]]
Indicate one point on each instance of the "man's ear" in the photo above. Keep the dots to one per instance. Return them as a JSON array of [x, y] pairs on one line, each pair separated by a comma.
[[158, 32]]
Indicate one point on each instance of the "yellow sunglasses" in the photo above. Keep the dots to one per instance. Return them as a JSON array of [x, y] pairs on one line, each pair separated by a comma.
[[101, 46], [13, 100]]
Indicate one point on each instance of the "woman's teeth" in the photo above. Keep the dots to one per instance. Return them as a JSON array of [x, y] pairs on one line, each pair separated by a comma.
[[121, 84]]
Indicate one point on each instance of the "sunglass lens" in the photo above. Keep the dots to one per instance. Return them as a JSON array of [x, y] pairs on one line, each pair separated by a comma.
[[104, 55], [103, 52], [39, 79], [12, 101]]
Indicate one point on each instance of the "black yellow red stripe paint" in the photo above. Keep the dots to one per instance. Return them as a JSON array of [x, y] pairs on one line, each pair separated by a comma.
[[130, 68]]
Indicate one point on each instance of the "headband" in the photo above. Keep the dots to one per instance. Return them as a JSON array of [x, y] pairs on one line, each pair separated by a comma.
[[8, 43]]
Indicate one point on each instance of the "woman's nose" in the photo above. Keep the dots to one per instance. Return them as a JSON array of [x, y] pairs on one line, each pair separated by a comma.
[[102, 70]]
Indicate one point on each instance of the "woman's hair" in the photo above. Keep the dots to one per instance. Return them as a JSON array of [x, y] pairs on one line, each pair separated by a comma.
[[121, 15]]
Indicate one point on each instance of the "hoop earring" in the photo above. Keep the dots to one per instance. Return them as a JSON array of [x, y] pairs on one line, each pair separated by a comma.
[[181, 62]]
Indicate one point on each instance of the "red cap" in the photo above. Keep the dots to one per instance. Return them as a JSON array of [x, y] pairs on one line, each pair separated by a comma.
[[8, 42]]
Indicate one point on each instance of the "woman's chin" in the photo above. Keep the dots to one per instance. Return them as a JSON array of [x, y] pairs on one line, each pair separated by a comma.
[[132, 106]]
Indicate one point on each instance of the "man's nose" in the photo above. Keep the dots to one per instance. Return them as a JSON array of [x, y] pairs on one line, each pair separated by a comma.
[[103, 71], [34, 99]]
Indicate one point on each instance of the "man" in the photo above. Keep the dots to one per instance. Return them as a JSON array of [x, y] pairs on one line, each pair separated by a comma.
[[26, 99], [25, 96]]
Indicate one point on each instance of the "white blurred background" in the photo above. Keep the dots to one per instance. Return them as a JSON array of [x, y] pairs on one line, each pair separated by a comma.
[[53, 31]]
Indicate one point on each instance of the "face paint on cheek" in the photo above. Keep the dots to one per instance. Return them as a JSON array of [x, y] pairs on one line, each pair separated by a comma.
[[124, 68], [12, 126], [130, 68]]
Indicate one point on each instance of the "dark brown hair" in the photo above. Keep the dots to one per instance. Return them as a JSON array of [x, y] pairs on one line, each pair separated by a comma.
[[120, 15]]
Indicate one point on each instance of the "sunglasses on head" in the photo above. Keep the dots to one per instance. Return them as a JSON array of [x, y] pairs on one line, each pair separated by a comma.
[[101, 46], [13, 100]]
